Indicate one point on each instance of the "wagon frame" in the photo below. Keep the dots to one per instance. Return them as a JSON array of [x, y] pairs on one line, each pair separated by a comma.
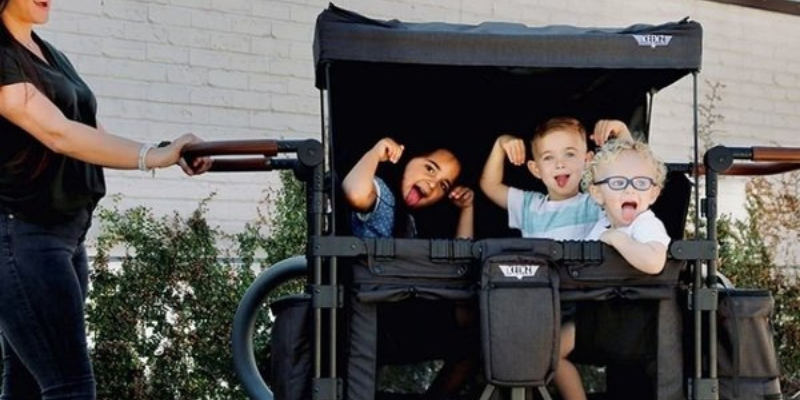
[[588, 72]]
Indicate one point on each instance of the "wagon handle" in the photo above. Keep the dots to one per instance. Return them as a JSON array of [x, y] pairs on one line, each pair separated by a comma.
[[266, 148], [751, 169], [780, 154], [766, 161]]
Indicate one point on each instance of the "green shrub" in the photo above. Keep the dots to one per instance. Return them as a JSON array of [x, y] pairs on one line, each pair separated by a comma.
[[160, 322], [164, 315]]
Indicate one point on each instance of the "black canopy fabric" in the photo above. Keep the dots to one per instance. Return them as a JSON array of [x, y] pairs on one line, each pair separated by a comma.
[[343, 35]]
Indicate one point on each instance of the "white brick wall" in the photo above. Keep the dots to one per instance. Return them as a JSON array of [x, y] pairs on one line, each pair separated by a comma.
[[231, 69]]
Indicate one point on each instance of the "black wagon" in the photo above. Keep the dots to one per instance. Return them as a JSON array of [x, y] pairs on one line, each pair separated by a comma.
[[676, 335]]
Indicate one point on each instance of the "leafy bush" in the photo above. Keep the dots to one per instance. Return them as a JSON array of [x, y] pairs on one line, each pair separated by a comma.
[[161, 321], [288, 222], [164, 315]]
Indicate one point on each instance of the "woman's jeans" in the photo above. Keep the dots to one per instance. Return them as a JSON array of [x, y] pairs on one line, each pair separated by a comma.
[[43, 287]]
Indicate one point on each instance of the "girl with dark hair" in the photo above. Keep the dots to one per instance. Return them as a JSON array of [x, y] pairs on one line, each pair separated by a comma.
[[384, 207], [51, 177]]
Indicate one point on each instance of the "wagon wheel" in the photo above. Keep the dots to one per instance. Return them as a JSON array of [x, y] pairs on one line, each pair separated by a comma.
[[245, 319]]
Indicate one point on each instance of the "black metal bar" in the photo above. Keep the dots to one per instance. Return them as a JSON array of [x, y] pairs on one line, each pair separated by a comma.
[[310, 153], [333, 269], [697, 317], [718, 159], [697, 373], [314, 229], [712, 184], [289, 146], [693, 250], [741, 153], [685, 168], [696, 153], [283, 163]]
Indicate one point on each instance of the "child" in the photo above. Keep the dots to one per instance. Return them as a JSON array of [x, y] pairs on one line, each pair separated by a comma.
[[625, 178], [425, 180], [560, 153]]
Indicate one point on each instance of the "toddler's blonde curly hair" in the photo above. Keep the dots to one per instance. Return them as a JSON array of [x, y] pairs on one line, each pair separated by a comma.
[[609, 152]]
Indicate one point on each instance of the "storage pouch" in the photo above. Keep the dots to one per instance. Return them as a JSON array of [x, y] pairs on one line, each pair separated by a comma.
[[520, 319], [290, 373], [589, 265], [746, 358], [413, 271]]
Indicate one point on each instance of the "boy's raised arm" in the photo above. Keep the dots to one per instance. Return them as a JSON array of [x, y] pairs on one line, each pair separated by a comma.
[[491, 183], [358, 186]]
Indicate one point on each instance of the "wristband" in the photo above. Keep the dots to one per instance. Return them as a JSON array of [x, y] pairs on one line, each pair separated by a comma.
[[143, 155]]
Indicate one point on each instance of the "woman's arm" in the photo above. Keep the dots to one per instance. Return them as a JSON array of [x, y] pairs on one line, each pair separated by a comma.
[[28, 108]]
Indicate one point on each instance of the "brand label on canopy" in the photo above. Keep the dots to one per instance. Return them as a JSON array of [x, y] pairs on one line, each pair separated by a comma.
[[653, 41]]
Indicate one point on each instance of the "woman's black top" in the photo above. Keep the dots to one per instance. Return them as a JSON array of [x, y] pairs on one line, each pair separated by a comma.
[[36, 184]]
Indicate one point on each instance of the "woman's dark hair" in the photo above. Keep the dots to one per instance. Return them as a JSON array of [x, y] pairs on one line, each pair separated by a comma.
[[37, 156], [24, 59]]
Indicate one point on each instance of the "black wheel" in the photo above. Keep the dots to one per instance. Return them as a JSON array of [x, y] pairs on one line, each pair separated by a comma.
[[244, 323]]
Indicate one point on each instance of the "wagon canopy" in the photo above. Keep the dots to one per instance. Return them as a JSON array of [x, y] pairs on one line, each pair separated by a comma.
[[343, 35]]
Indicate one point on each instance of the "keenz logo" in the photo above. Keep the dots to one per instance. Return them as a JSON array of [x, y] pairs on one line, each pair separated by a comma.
[[518, 271], [653, 40]]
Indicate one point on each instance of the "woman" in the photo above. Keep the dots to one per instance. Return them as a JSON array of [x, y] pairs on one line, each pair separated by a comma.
[[51, 177]]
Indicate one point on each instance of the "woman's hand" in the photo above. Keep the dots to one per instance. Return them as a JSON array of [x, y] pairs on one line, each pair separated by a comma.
[[171, 154]]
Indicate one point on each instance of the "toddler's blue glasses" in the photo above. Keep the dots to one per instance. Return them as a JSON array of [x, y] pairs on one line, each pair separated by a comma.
[[617, 183]]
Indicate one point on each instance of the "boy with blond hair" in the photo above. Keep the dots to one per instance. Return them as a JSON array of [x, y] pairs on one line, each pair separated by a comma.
[[560, 156], [560, 153]]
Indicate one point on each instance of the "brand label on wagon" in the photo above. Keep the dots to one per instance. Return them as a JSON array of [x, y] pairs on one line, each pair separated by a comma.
[[653, 41], [518, 271]]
